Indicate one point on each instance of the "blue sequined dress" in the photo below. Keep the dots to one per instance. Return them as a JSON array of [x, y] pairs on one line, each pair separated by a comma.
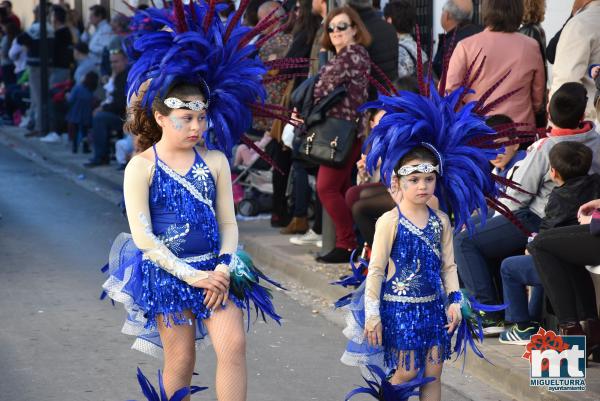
[[183, 219], [412, 304]]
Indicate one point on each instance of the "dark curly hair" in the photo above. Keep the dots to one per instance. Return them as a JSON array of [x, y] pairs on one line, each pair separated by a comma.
[[141, 122]]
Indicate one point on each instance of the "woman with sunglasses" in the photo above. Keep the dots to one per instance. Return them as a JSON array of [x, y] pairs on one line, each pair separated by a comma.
[[347, 37]]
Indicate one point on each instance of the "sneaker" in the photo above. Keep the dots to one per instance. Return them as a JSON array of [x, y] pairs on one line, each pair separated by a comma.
[[514, 336], [492, 327], [24, 122], [319, 244], [310, 238], [52, 137]]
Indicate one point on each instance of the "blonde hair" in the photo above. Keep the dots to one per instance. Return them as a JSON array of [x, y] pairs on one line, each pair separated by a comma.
[[534, 11]]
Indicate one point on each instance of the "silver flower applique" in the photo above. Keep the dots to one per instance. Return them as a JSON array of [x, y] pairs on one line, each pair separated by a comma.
[[200, 172], [174, 237]]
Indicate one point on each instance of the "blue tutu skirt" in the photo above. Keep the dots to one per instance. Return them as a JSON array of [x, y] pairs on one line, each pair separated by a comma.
[[147, 291]]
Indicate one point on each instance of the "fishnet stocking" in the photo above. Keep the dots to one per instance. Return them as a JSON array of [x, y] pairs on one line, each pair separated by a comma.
[[226, 330], [179, 353], [431, 391]]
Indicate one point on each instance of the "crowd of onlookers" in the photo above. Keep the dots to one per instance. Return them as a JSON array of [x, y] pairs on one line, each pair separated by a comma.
[[86, 79], [362, 48]]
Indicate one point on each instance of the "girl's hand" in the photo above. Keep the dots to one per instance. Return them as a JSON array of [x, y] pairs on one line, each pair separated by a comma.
[[374, 336], [595, 72], [454, 317], [213, 299], [215, 282]]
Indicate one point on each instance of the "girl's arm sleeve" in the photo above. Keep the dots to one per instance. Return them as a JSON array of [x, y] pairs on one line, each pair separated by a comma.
[[382, 246], [228, 229], [448, 273], [136, 188]]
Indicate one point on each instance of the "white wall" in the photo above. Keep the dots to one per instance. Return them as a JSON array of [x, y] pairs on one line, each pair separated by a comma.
[[557, 12]]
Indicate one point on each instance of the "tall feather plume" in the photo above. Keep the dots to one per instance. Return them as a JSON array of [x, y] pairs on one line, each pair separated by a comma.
[[429, 69], [193, 15], [236, 18], [484, 97], [386, 79], [262, 25], [209, 15], [270, 35], [180, 16], [446, 64], [466, 78], [380, 88], [420, 78], [493, 104]]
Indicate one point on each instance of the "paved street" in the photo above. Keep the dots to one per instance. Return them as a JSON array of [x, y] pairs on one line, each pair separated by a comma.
[[59, 342]]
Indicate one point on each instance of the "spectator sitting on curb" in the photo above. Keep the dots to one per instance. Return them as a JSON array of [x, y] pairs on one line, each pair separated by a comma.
[[81, 103], [569, 166], [124, 149], [85, 63], [477, 255], [109, 116]]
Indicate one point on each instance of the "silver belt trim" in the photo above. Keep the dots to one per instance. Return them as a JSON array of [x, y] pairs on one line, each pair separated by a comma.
[[412, 300], [200, 258]]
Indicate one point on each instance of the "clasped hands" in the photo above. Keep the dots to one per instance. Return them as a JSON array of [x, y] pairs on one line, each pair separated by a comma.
[[216, 287], [374, 335]]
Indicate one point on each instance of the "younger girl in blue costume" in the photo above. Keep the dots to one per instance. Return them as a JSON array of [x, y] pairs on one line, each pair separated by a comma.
[[190, 90], [403, 316]]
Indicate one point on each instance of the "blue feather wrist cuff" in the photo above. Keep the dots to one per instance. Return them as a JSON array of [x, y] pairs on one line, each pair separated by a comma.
[[455, 297], [224, 259]]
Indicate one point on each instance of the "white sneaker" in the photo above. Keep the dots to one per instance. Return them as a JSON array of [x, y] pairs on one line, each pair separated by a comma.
[[310, 238], [24, 122], [51, 138]]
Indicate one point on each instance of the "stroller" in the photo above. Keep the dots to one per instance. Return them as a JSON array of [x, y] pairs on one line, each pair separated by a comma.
[[253, 187]]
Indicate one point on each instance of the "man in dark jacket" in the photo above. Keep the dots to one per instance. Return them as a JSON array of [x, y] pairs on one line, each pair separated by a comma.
[[111, 113], [456, 19], [384, 47]]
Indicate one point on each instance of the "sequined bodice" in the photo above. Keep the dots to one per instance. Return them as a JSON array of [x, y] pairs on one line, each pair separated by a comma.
[[182, 208], [417, 256]]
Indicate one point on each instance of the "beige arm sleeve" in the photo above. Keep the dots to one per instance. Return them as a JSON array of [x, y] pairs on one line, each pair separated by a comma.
[[228, 229], [448, 273], [385, 232], [136, 188]]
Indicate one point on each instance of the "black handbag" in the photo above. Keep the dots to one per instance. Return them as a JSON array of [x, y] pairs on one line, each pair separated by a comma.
[[329, 142], [326, 140]]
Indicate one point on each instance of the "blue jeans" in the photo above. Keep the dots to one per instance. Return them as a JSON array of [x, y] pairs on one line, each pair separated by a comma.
[[102, 124], [518, 272], [478, 257]]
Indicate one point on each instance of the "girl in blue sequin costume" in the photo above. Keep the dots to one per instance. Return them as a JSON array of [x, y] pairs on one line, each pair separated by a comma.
[[178, 273], [410, 272], [403, 316]]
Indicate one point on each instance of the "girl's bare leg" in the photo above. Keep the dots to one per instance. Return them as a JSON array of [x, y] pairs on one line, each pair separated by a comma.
[[179, 353], [402, 375], [226, 330]]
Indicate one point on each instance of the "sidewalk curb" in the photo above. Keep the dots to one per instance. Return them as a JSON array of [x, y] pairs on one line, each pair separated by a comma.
[[15, 135]]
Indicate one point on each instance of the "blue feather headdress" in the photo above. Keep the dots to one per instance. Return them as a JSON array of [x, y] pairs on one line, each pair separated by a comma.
[[190, 44], [457, 135]]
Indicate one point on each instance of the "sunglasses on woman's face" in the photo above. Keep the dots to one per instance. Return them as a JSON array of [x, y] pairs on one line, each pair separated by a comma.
[[341, 27]]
